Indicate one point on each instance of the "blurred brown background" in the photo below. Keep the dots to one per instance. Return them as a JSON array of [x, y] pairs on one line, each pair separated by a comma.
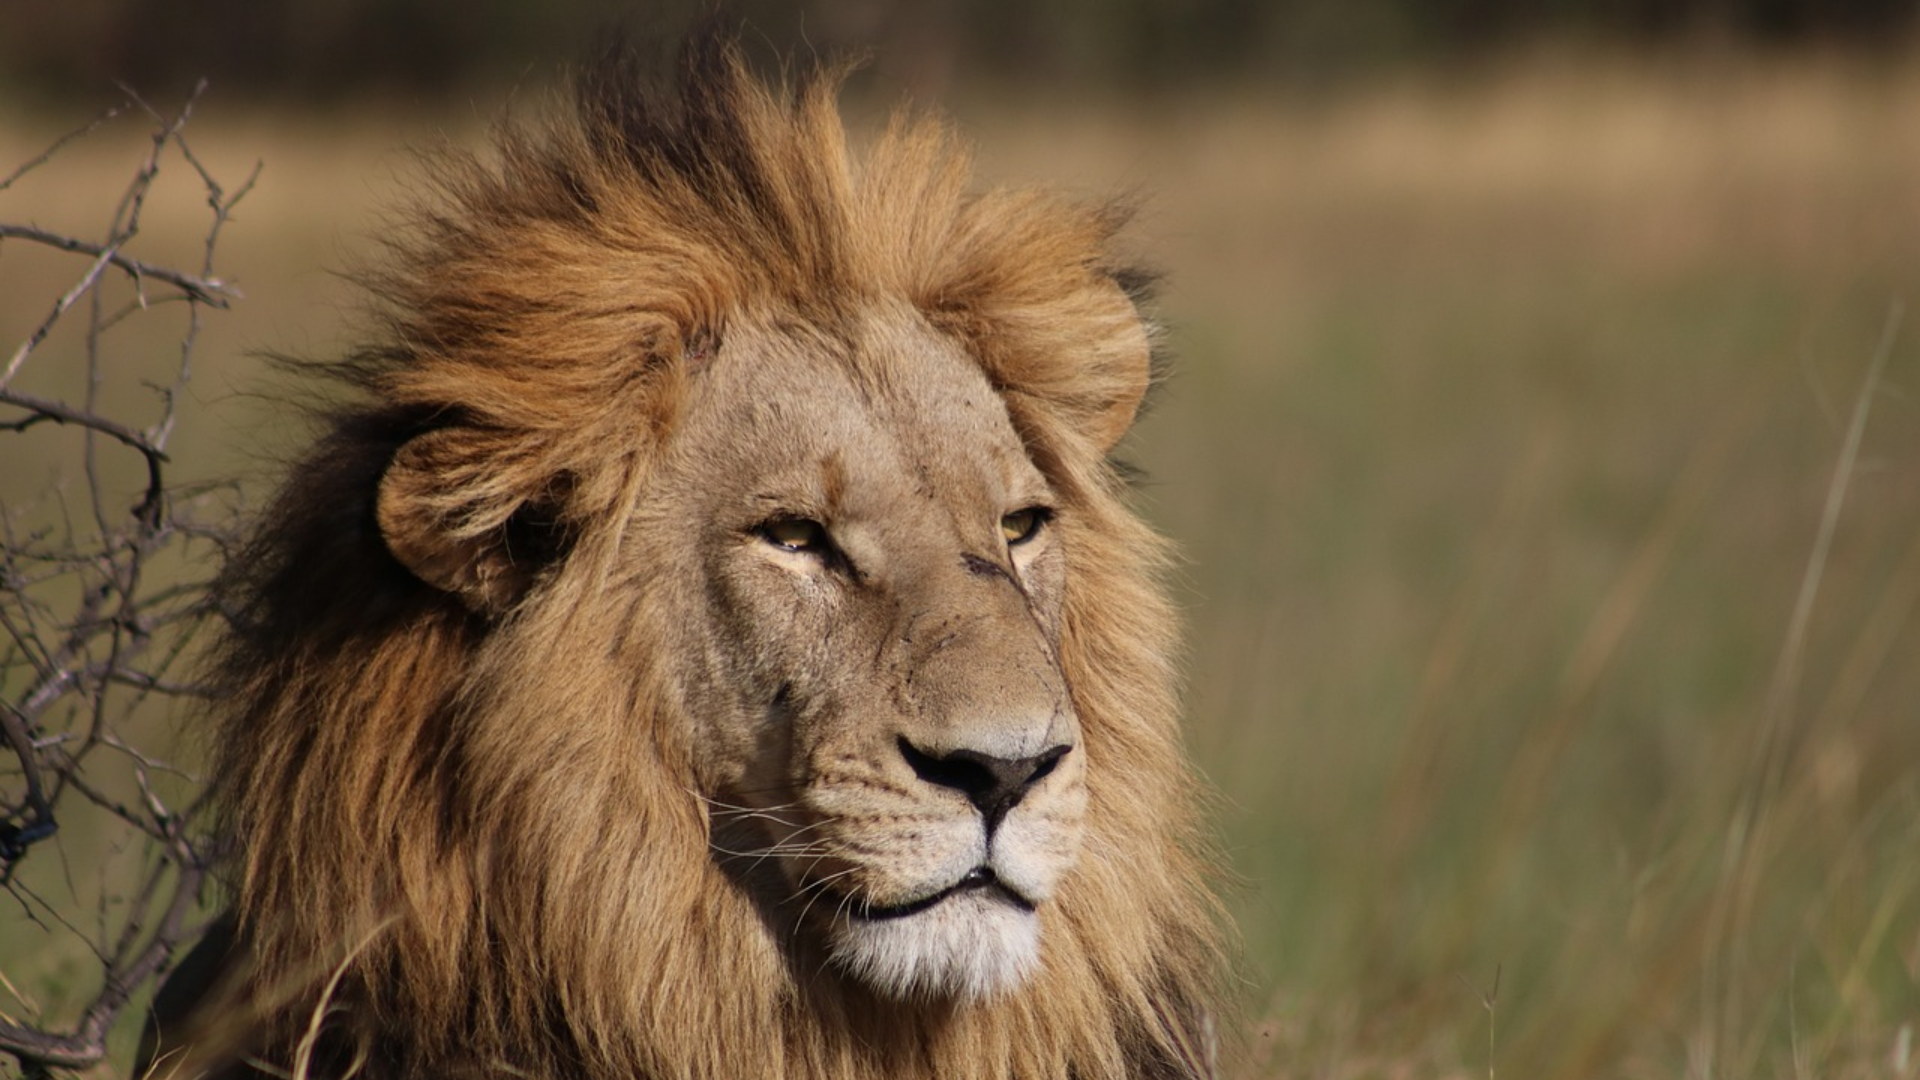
[[301, 51], [1540, 641]]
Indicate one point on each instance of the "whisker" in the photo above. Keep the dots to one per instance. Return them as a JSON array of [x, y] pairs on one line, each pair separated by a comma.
[[814, 849], [817, 888], [717, 802], [819, 884], [733, 815], [795, 834], [846, 901], [780, 789]]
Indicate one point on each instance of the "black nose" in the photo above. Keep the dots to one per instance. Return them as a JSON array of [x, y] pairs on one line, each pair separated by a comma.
[[994, 785]]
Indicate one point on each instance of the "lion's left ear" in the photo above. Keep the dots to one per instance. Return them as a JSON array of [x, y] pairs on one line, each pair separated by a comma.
[[1086, 358], [1122, 371]]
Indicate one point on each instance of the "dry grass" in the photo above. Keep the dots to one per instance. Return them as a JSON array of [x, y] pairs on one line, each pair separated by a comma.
[[1508, 418]]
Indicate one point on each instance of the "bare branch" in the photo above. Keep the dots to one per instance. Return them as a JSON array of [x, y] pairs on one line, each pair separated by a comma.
[[60, 308], [212, 292], [41, 409], [98, 609], [80, 132]]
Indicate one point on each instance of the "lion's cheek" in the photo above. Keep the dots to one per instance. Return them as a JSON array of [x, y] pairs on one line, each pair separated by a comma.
[[944, 856], [896, 860], [1038, 844], [740, 754], [740, 734]]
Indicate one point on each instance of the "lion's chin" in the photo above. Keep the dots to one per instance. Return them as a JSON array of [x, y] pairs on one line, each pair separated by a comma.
[[971, 945]]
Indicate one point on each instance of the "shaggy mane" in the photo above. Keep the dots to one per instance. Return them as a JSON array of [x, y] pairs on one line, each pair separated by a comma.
[[487, 828]]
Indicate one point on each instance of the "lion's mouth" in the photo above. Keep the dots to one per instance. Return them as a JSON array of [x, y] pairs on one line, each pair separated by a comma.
[[979, 879]]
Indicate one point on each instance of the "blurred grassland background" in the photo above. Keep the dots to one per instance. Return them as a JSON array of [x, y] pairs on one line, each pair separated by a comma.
[[1513, 381]]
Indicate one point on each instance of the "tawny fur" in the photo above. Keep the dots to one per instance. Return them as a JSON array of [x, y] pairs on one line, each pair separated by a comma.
[[467, 784]]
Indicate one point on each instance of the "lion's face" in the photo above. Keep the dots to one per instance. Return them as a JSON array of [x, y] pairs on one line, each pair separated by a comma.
[[868, 651]]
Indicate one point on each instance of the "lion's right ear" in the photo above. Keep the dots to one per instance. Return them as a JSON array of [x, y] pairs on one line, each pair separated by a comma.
[[453, 514]]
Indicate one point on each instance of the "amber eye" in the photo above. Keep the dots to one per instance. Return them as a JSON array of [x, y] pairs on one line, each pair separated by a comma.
[[795, 534], [1023, 525]]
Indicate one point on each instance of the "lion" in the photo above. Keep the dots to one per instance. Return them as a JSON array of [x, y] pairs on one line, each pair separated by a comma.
[[712, 639]]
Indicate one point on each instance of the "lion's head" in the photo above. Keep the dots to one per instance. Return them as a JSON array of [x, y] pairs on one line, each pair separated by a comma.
[[714, 643]]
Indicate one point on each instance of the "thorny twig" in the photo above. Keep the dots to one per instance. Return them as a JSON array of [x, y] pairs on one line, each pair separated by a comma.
[[98, 619]]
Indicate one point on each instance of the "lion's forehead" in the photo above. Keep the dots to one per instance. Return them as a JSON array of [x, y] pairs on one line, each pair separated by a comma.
[[875, 418]]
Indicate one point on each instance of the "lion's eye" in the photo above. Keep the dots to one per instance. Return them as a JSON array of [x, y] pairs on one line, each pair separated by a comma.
[[1023, 525], [795, 534]]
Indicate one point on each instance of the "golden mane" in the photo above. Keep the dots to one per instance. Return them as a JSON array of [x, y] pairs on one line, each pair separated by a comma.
[[489, 826]]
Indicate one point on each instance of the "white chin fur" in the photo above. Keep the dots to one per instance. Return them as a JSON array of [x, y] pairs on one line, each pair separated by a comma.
[[968, 946]]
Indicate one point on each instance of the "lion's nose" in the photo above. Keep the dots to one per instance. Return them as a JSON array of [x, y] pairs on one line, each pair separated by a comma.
[[994, 785]]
